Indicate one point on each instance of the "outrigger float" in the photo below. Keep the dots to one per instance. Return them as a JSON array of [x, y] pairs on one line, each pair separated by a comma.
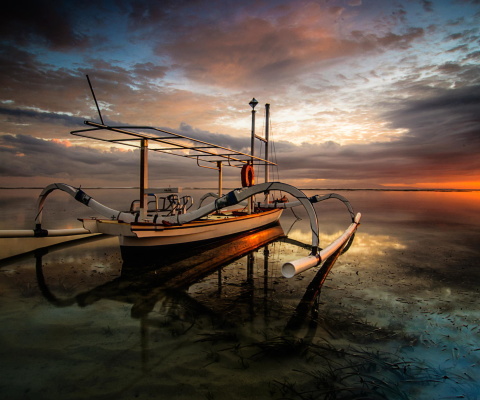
[[161, 217]]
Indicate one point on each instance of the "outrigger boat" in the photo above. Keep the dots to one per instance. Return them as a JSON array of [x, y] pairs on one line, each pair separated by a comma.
[[161, 217]]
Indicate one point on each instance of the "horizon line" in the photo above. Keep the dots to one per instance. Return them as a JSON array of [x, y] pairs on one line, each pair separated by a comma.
[[406, 189]]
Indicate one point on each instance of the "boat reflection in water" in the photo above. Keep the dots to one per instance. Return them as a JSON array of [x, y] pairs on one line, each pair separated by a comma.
[[225, 304], [310, 301], [166, 282]]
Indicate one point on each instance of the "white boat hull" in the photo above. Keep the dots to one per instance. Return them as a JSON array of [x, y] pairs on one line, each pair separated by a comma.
[[149, 234]]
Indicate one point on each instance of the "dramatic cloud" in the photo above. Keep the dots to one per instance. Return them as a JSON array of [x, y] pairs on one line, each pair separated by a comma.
[[59, 161], [41, 22], [363, 93], [443, 131], [269, 51]]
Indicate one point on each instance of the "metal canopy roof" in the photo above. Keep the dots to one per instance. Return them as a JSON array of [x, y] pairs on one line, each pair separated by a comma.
[[174, 144]]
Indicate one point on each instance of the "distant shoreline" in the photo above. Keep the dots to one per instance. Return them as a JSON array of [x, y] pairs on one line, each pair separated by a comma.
[[320, 189]]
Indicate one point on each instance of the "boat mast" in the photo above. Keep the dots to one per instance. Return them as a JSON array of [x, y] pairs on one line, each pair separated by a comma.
[[252, 104], [267, 127], [220, 178], [143, 179]]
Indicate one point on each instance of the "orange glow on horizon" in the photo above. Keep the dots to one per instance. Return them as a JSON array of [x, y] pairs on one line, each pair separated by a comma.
[[438, 185]]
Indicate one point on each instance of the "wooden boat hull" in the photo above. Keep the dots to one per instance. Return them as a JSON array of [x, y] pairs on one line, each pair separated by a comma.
[[211, 228], [180, 258]]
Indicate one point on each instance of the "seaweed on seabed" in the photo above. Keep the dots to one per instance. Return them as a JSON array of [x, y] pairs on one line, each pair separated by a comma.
[[360, 373], [218, 336], [345, 375], [281, 346]]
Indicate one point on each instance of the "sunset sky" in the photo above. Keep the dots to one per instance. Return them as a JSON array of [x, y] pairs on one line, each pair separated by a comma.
[[363, 93]]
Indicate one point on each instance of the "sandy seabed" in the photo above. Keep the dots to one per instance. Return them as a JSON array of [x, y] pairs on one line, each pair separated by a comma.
[[397, 316]]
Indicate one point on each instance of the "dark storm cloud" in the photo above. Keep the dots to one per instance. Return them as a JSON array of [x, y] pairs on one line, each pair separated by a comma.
[[427, 5], [239, 144], [475, 55], [462, 47], [22, 116], [25, 156], [44, 22], [149, 70], [17, 65], [33, 91], [449, 118], [27, 84], [468, 36]]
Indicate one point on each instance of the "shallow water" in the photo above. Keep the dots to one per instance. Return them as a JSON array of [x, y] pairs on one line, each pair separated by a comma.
[[397, 316]]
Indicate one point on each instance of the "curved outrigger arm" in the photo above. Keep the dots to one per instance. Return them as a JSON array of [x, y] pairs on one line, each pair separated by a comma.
[[79, 195], [314, 199], [293, 268], [238, 195], [230, 199]]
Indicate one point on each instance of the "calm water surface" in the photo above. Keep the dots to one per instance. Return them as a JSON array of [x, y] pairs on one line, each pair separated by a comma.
[[396, 318]]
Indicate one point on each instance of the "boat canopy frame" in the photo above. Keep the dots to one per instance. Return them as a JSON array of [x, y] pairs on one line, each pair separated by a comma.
[[177, 145], [197, 149]]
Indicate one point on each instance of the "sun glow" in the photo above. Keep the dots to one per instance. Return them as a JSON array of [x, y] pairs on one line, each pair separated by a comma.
[[437, 185]]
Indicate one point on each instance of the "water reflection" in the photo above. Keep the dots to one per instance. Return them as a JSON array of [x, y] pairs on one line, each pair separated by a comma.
[[167, 275], [395, 317], [221, 300], [167, 288], [311, 299]]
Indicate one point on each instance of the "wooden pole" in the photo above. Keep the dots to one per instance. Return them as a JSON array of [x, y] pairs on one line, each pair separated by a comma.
[[267, 129], [252, 143], [143, 179], [220, 178], [252, 151]]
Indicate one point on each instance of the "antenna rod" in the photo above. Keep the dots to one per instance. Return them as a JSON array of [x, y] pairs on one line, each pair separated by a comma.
[[94, 98]]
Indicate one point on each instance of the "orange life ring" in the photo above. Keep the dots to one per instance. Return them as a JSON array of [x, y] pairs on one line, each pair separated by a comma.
[[248, 175]]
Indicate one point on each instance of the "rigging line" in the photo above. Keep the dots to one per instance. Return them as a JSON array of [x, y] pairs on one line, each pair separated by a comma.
[[295, 215], [262, 149], [263, 128], [95, 99], [274, 156], [263, 136], [276, 171]]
